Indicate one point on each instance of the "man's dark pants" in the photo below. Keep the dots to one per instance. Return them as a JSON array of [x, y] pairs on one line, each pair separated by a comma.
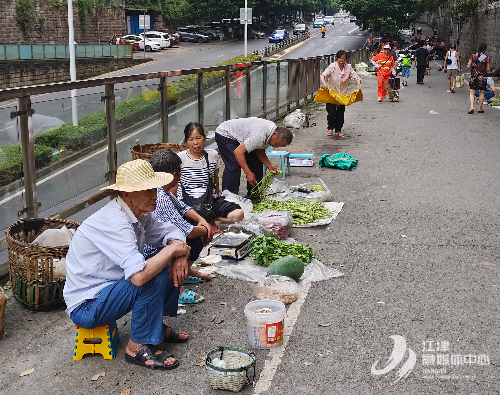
[[232, 170], [420, 73], [335, 117]]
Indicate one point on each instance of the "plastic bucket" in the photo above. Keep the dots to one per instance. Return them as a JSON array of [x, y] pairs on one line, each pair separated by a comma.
[[265, 330]]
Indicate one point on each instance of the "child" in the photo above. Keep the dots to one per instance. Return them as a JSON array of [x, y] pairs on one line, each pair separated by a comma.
[[196, 176], [405, 67], [168, 209]]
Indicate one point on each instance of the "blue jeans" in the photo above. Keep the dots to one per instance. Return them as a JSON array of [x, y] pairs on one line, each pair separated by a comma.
[[487, 94], [149, 303]]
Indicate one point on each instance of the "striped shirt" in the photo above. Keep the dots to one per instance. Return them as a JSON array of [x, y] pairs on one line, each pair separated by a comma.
[[194, 173], [169, 209]]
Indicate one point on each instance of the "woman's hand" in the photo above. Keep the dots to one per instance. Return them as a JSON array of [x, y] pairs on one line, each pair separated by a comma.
[[207, 238]]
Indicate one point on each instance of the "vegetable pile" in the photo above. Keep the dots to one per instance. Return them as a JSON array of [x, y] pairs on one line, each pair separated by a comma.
[[262, 187], [302, 212], [267, 249]]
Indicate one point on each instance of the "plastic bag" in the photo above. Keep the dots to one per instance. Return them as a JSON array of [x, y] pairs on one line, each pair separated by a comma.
[[295, 119], [245, 204], [248, 226], [279, 221], [342, 161], [279, 288], [460, 81], [311, 191], [332, 97]]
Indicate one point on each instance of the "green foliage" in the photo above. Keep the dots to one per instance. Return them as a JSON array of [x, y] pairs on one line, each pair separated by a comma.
[[84, 6], [463, 11], [12, 161], [26, 14]]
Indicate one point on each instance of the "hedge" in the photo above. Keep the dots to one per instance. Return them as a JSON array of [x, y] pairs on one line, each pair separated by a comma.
[[11, 159]]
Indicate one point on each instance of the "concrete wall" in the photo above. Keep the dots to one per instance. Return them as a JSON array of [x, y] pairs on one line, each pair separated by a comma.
[[484, 27], [32, 72], [51, 26]]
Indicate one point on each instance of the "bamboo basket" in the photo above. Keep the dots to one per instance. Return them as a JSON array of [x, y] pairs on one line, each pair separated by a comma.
[[235, 375], [144, 151], [3, 303], [31, 267]]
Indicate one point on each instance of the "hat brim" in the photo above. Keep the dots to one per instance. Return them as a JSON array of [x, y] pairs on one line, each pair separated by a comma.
[[160, 179]]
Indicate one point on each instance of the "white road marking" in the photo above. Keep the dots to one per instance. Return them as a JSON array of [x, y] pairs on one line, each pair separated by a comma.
[[275, 354]]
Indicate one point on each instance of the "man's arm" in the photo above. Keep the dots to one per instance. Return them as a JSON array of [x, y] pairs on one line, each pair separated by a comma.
[[261, 154], [155, 264]]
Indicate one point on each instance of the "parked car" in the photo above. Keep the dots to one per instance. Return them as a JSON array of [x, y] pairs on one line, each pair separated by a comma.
[[115, 38], [319, 23], [329, 20], [352, 19], [159, 37], [278, 36], [300, 28], [406, 32], [130, 39], [150, 45], [252, 33], [190, 34], [174, 40], [204, 30], [435, 41]]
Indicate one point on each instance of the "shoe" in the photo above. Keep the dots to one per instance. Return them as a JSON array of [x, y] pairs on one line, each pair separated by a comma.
[[471, 112], [453, 90], [187, 297], [147, 353], [480, 111], [448, 91], [193, 280], [379, 99], [174, 335]]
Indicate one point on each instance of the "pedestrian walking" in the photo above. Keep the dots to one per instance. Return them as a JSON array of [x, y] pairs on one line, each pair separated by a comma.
[[385, 66], [452, 67], [421, 60], [405, 67], [479, 63], [338, 74]]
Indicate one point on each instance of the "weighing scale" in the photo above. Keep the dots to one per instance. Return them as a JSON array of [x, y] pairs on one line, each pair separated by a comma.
[[231, 245]]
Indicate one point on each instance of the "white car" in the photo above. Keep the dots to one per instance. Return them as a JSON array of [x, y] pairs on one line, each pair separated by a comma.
[[329, 20], [150, 45], [406, 32], [159, 37]]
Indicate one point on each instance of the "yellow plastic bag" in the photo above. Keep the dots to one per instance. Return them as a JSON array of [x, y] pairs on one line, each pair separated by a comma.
[[330, 96]]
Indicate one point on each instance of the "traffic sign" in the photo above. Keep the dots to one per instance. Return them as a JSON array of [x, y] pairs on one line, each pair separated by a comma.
[[248, 16]]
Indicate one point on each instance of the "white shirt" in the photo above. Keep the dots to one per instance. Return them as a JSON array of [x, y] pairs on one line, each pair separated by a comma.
[[107, 247], [255, 133]]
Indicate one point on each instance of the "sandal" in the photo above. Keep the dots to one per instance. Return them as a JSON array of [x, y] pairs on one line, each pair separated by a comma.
[[147, 353], [174, 335], [471, 112], [480, 111], [339, 134], [188, 297], [193, 280], [329, 133]]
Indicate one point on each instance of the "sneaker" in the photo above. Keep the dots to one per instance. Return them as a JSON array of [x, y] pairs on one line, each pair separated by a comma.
[[448, 91], [379, 99]]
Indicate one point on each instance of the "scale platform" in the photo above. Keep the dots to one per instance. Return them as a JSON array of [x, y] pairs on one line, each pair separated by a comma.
[[231, 245]]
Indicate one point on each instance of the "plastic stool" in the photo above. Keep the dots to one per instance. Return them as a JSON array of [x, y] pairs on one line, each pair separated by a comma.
[[86, 341], [284, 157]]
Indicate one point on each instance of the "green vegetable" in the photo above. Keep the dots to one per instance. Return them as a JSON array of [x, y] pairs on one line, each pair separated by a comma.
[[288, 266], [261, 188], [267, 249], [495, 102], [317, 188], [302, 212]]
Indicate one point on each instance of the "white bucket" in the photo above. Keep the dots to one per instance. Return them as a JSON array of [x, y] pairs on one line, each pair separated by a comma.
[[265, 330]]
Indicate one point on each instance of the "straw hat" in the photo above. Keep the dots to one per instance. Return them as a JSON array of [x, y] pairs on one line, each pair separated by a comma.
[[138, 175]]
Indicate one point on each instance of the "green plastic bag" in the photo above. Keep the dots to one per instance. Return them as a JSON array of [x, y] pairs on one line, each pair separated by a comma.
[[342, 161]]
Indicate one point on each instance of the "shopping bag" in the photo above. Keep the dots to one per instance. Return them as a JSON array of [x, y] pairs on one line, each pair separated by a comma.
[[460, 81], [332, 97], [395, 83], [342, 161]]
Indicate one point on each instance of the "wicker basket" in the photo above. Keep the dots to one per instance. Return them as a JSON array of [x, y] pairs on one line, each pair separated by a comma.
[[235, 375], [144, 151], [31, 266]]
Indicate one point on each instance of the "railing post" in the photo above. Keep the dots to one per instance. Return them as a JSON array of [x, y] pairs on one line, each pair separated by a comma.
[[249, 93], [227, 114], [201, 101], [278, 73], [164, 109], [28, 152], [264, 88], [109, 96]]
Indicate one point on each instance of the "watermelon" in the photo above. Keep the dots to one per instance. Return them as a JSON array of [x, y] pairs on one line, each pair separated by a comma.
[[289, 266]]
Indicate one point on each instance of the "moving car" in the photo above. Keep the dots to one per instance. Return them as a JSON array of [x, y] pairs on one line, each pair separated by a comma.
[[406, 32], [352, 19], [300, 28], [278, 36], [191, 34], [319, 23], [329, 20]]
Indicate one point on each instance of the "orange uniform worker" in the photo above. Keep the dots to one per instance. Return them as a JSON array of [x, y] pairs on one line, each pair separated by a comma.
[[385, 64]]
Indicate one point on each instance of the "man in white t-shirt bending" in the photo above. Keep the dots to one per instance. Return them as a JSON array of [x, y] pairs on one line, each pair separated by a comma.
[[242, 143]]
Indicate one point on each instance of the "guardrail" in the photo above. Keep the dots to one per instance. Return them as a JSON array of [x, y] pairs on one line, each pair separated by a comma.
[[278, 47], [60, 171], [53, 51]]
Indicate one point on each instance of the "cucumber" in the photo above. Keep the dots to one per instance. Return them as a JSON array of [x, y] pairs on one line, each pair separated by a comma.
[[289, 266]]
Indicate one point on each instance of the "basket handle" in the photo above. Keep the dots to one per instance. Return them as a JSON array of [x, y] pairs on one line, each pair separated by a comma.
[[32, 224]]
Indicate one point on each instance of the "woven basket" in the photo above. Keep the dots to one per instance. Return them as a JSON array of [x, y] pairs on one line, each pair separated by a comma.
[[235, 375], [31, 266], [144, 151]]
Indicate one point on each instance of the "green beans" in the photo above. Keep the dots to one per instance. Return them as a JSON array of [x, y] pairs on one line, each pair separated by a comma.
[[262, 187], [302, 212]]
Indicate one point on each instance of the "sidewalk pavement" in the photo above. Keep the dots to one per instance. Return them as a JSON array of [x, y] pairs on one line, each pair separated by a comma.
[[418, 243]]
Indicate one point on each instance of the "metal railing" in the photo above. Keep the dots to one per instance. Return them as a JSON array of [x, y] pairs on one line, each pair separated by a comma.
[[59, 170], [53, 51], [278, 47]]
